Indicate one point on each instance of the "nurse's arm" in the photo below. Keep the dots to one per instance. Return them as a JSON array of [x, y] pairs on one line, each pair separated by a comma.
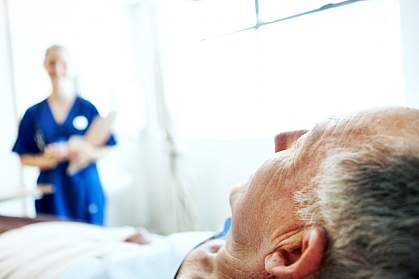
[[84, 153], [43, 161], [99, 152], [92, 153]]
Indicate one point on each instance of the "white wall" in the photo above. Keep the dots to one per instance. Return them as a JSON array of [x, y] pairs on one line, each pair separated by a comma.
[[409, 10], [213, 168], [9, 165]]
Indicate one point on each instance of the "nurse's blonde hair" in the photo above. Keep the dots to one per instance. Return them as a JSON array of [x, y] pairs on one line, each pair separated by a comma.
[[54, 47]]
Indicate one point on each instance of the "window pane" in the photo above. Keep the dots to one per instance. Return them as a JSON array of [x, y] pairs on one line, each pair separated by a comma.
[[206, 18], [334, 62], [276, 9], [289, 75], [211, 88]]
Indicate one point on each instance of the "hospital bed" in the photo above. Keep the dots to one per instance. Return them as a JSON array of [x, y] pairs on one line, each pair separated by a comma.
[[39, 191], [8, 223], [44, 248]]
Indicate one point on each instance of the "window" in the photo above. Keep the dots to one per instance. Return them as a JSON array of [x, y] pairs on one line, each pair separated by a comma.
[[286, 75], [270, 10]]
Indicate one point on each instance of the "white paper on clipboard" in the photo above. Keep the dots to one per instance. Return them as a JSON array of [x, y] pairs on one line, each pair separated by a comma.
[[97, 135]]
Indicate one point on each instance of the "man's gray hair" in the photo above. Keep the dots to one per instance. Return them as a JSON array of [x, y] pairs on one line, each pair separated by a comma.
[[368, 201]]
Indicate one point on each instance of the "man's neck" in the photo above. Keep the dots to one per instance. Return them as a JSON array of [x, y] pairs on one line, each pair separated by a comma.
[[230, 267]]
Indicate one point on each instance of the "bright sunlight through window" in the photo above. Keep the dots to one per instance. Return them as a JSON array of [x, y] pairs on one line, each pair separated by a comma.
[[282, 76]]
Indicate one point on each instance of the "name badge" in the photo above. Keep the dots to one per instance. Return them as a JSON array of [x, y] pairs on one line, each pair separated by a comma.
[[80, 122]]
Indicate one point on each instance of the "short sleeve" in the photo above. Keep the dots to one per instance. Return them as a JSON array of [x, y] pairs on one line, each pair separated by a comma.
[[25, 142], [111, 141]]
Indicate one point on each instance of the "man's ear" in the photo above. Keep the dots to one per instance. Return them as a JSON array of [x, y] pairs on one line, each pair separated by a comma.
[[299, 259], [287, 139]]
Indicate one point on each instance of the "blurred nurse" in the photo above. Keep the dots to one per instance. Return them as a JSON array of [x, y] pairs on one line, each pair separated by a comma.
[[42, 141]]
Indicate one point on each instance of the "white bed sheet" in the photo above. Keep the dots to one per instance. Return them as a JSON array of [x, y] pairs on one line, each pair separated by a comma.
[[159, 260], [65, 250]]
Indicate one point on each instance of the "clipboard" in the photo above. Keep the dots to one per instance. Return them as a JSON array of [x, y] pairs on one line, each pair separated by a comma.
[[97, 135]]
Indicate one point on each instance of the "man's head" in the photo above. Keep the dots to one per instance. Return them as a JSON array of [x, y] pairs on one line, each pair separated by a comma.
[[340, 201]]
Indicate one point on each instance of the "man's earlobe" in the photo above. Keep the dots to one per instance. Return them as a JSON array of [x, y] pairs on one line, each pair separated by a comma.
[[301, 259]]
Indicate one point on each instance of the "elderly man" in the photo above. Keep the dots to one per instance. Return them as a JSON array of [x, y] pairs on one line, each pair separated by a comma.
[[340, 201]]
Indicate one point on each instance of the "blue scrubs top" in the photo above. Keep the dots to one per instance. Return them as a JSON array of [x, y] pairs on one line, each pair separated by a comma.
[[77, 197]]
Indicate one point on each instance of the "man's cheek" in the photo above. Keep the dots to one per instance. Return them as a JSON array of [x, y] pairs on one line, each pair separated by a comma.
[[244, 224]]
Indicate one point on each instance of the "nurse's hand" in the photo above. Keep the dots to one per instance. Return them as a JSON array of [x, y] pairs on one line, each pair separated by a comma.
[[80, 151], [57, 151]]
